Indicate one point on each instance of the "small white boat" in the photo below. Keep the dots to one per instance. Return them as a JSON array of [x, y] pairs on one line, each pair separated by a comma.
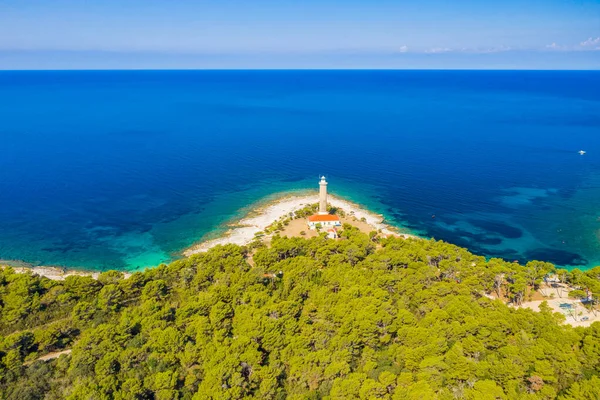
[[581, 152]]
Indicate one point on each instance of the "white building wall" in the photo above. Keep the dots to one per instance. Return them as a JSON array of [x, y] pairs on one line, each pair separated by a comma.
[[313, 225]]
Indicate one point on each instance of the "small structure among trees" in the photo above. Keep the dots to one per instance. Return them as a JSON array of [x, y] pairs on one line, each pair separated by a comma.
[[323, 221]]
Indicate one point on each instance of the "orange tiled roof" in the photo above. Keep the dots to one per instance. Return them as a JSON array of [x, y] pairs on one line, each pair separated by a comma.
[[323, 218]]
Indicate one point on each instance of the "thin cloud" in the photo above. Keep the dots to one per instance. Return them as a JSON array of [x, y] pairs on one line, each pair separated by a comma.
[[403, 49], [471, 50], [591, 42], [436, 50], [490, 50], [555, 46]]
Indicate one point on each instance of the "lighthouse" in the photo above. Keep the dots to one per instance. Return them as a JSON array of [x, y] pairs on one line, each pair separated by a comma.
[[322, 219], [323, 196]]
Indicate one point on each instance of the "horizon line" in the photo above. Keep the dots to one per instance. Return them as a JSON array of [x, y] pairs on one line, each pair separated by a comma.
[[295, 69]]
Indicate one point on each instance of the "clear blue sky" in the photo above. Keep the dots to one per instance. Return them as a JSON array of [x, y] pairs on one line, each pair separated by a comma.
[[66, 34]]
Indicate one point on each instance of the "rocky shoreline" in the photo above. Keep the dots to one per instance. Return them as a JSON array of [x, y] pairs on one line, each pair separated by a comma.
[[241, 232]]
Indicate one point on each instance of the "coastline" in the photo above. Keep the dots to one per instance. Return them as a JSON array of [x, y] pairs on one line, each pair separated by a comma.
[[58, 273], [253, 219], [275, 208], [244, 231]]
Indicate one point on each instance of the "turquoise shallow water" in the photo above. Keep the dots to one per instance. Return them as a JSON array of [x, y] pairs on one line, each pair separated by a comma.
[[124, 169]]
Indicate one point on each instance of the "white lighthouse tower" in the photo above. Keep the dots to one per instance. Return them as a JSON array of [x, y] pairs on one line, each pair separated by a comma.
[[322, 219], [323, 196]]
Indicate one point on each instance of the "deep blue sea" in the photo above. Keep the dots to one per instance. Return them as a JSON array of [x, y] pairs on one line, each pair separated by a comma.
[[124, 169]]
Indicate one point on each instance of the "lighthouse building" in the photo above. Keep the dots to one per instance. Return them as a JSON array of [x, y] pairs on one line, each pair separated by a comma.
[[323, 218]]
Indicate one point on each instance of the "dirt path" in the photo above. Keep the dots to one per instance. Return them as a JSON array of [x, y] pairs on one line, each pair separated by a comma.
[[50, 356]]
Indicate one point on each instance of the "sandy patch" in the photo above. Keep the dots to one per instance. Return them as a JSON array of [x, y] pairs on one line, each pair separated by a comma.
[[296, 227], [577, 315], [363, 226]]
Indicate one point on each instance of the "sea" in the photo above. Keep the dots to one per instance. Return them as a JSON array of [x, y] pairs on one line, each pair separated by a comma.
[[124, 169]]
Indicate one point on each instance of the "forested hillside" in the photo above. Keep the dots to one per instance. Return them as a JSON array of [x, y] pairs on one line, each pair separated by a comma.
[[360, 317]]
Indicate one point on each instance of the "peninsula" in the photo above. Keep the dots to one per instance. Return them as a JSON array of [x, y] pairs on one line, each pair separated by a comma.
[[289, 216]]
